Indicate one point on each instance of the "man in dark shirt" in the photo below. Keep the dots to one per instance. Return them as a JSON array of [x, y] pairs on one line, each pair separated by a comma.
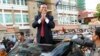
[[44, 23]]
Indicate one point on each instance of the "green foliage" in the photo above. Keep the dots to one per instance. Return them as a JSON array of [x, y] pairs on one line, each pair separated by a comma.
[[86, 22], [98, 11], [97, 15], [98, 8], [81, 4]]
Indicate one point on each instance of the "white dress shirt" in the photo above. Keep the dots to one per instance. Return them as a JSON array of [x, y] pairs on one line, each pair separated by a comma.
[[46, 20]]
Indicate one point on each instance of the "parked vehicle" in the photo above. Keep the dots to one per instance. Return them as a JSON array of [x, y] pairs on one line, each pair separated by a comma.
[[75, 47]]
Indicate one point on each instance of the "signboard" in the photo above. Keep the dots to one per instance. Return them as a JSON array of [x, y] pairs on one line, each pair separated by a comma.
[[2, 34], [13, 29]]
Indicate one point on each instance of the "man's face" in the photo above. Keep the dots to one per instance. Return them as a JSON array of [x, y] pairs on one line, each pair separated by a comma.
[[19, 36], [94, 36], [43, 8]]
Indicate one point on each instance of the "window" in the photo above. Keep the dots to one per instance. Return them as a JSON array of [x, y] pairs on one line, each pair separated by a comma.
[[60, 6], [68, 19], [71, 8], [75, 17], [23, 2], [4, 1], [14, 1], [72, 19], [18, 2], [74, 8], [1, 19], [18, 18], [8, 18], [62, 20], [0, 2], [73, 0], [64, 7], [59, 20], [8, 1], [25, 18], [67, 7], [41, 0]]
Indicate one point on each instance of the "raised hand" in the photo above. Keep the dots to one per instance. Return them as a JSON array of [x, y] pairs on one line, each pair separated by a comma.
[[43, 16]]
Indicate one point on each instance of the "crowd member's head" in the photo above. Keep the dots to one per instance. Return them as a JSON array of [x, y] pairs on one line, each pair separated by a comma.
[[81, 30], [4, 38], [20, 35], [96, 33]]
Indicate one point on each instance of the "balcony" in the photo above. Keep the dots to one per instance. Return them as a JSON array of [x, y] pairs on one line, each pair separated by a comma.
[[14, 7]]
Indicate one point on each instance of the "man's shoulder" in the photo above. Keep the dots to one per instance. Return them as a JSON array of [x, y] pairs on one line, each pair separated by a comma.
[[50, 17], [37, 15]]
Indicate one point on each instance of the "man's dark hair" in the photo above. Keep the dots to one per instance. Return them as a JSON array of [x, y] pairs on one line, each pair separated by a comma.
[[97, 31], [42, 3], [81, 30], [4, 38], [21, 33]]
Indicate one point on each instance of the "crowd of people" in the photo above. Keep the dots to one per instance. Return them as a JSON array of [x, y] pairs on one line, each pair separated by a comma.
[[12, 45], [44, 23], [92, 40], [6, 44]]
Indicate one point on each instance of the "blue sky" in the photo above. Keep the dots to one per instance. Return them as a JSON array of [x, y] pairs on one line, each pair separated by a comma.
[[91, 4]]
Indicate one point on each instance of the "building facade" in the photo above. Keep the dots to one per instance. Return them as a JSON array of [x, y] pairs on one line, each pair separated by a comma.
[[81, 8], [20, 13], [67, 14], [14, 13]]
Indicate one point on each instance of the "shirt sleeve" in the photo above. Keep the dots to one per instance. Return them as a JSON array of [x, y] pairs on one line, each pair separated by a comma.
[[47, 20], [39, 21]]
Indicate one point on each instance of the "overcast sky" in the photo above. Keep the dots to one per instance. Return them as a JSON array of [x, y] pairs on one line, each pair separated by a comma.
[[91, 4]]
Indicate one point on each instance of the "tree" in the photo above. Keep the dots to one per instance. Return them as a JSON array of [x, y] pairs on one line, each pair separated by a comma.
[[98, 7], [98, 11], [81, 4]]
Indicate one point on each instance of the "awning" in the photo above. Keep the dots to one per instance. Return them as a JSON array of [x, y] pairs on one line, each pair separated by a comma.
[[94, 22], [59, 27], [2, 27]]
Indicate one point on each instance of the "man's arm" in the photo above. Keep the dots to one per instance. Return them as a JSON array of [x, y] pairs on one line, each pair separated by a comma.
[[50, 22], [87, 43], [36, 22], [14, 47]]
